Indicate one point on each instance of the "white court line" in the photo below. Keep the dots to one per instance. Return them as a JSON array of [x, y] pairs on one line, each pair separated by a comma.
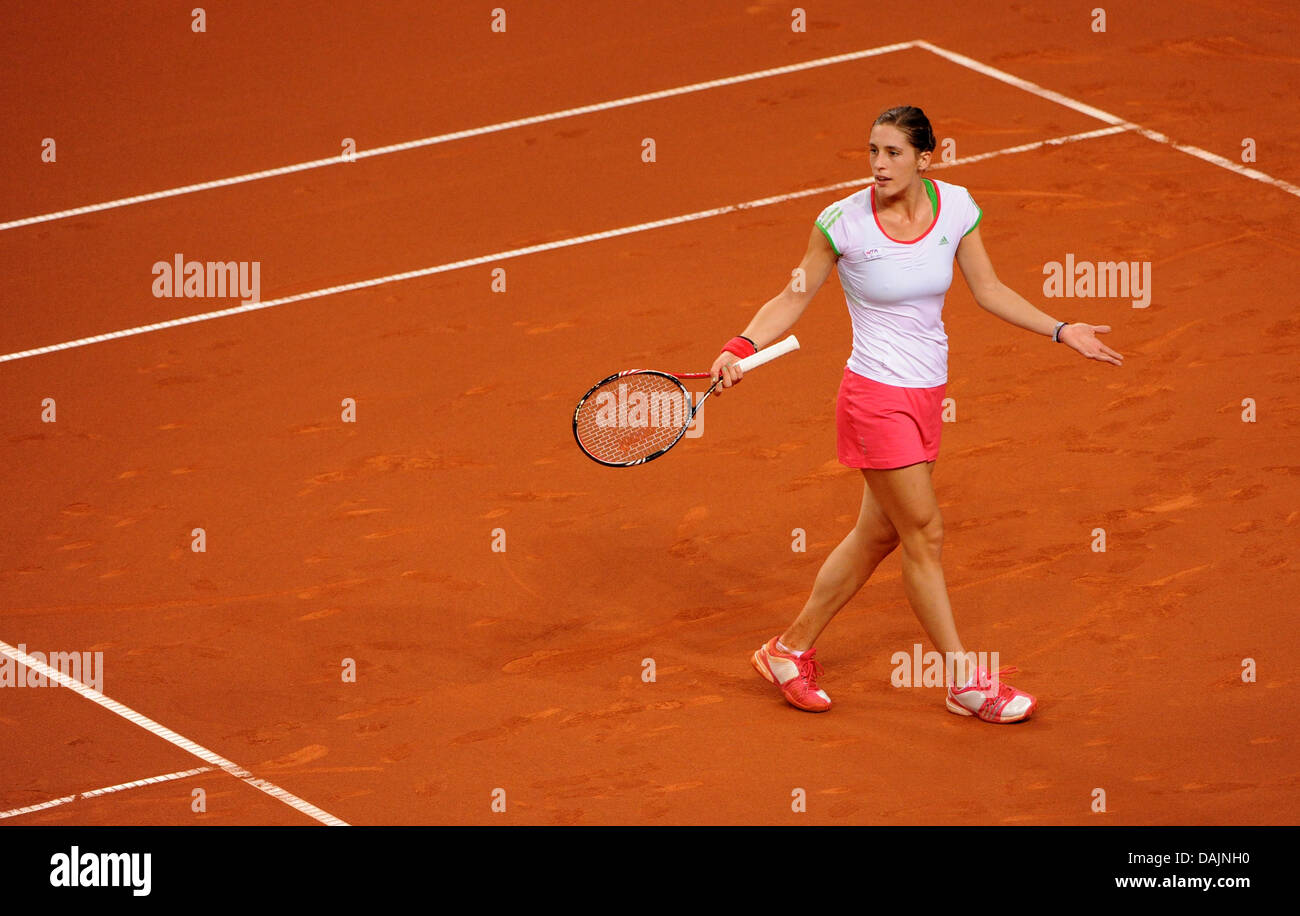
[[462, 134], [532, 249], [93, 793], [1204, 155], [956, 58], [149, 725]]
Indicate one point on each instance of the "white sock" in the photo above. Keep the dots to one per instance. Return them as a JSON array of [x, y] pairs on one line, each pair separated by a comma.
[[784, 648]]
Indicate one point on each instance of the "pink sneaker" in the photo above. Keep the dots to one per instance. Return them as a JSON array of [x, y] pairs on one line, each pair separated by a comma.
[[796, 676], [987, 697]]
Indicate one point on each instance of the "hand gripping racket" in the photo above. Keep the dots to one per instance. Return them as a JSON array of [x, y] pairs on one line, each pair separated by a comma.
[[636, 415]]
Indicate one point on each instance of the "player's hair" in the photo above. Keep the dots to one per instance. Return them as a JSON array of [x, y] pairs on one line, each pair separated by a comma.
[[914, 125]]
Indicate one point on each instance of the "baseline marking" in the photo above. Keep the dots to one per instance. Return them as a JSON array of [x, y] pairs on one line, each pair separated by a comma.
[[185, 744], [534, 249], [1204, 155], [93, 793], [460, 135], [953, 56]]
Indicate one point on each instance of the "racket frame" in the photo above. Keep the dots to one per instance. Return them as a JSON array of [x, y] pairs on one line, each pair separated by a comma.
[[686, 395], [767, 354]]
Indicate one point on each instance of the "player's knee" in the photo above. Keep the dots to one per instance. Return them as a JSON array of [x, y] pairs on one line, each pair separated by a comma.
[[876, 533], [925, 539], [880, 539]]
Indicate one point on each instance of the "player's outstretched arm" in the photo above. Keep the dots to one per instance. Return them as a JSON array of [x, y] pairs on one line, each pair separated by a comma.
[[993, 296], [778, 314]]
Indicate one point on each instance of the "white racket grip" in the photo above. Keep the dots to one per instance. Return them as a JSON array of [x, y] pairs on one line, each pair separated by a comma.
[[767, 354]]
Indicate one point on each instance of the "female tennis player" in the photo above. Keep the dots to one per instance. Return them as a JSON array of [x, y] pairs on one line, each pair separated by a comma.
[[893, 245]]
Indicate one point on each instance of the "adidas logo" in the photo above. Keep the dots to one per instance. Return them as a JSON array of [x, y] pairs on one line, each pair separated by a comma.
[[944, 240]]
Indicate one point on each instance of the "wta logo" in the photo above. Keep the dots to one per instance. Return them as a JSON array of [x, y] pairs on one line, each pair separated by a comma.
[[627, 407]]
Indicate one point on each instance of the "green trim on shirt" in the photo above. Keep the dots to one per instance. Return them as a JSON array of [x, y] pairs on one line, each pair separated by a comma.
[[831, 215], [934, 200], [977, 221], [829, 239]]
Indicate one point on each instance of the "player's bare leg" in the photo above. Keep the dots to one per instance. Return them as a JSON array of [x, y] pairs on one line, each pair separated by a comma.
[[906, 496], [844, 572]]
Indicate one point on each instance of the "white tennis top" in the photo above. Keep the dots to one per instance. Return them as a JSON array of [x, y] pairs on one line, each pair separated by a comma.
[[895, 289]]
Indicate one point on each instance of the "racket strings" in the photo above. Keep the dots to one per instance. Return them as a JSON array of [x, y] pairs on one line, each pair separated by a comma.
[[632, 417]]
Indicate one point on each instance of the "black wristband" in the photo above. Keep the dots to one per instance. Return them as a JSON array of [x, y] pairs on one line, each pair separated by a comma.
[[1056, 335], [750, 342]]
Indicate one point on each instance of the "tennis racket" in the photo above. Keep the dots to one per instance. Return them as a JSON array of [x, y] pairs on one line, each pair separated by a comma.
[[636, 415]]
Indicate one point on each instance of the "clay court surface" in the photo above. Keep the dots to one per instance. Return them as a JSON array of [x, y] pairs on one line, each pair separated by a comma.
[[521, 670]]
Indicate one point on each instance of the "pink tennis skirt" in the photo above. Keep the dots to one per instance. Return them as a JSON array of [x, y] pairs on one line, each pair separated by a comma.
[[880, 426]]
